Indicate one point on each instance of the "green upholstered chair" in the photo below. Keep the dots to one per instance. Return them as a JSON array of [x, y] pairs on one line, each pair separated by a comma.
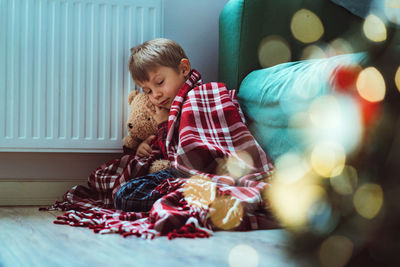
[[266, 95]]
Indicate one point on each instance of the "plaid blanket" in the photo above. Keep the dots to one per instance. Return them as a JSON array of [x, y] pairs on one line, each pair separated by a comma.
[[207, 140]]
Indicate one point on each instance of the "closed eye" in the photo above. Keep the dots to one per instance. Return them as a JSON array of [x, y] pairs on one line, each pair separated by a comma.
[[161, 82]]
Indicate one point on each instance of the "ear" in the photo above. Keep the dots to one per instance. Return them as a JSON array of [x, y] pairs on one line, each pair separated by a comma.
[[132, 95], [184, 66]]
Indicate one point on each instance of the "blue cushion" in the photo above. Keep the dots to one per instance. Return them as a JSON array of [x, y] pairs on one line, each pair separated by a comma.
[[269, 97]]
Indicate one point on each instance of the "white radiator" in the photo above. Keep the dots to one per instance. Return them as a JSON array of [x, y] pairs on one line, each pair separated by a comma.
[[64, 79]]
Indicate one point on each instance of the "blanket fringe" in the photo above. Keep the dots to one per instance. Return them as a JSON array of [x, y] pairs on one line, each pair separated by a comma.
[[188, 231]]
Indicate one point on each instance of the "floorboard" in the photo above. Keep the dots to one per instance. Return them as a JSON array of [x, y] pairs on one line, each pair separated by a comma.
[[29, 237]]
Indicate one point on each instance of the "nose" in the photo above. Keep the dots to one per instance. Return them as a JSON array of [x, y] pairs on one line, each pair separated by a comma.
[[157, 94]]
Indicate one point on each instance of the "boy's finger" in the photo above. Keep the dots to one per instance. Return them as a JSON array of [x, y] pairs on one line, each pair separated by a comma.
[[148, 149], [150, 139]]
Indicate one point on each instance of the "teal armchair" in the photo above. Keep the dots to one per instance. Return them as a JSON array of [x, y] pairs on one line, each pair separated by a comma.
[[267, 90]]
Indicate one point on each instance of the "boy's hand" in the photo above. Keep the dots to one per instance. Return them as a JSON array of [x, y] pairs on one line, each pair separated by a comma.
[[159, 115], [144, 149]]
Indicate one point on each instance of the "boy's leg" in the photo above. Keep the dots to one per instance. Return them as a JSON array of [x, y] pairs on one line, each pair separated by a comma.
[[136, 195]]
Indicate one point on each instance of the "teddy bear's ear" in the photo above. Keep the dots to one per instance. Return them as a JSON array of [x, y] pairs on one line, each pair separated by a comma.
[[132, 95]]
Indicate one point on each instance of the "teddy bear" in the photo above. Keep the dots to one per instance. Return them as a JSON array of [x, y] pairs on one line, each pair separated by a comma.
[[141, 125]]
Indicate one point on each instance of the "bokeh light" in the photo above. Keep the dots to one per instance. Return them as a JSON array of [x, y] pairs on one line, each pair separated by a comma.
[[306, 26], [321, 218], [331, 118], [273, 50], [374, 28], [328, 159], [397, 78], [336, 251], [226, 212], [339, 46], [199, 191], [236, 165], [371, 85], [312, 52], [291, 167], [325, 112], [294, 203], [239, 164], [346, 182], [243, 255], [392, 10], [368, 200]]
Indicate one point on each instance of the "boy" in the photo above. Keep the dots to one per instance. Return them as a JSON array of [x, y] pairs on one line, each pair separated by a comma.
[[160, 67], [200, 126]]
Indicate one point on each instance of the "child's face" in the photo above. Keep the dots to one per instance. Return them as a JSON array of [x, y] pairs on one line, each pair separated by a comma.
[[164, 83]]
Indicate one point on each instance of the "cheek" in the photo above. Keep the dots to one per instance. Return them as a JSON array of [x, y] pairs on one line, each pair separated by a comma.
[[152, 100]]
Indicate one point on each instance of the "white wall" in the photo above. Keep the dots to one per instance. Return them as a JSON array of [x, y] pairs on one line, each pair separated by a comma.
[[194, 25]]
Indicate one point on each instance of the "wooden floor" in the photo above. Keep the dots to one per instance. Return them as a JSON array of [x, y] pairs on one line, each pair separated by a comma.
[[28, 237]]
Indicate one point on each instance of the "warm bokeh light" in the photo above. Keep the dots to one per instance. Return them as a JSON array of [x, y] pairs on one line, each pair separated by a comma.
[[374, 28], [273, 50], [239, 164], [306, 26], [336, 251], [243, 255], [331, 118], [236, 165], [325, 112], [371, 85], [339, 46], [328, 159], [199, 191], [346, 182], [294, 203], [290, 167], [312, 52], [226, 212], [397, 78], [368, 200], [336, 47]]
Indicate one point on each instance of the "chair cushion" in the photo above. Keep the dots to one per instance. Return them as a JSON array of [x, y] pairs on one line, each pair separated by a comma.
[[269, 97]]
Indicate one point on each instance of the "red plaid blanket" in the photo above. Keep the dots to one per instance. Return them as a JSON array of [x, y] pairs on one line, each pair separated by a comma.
[[207, 139]]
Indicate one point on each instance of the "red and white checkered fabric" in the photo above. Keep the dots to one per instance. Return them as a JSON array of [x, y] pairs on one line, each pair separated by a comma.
[[205, 129]]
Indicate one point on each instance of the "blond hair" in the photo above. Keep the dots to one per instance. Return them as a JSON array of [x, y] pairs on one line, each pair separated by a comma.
[[152, 54]]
